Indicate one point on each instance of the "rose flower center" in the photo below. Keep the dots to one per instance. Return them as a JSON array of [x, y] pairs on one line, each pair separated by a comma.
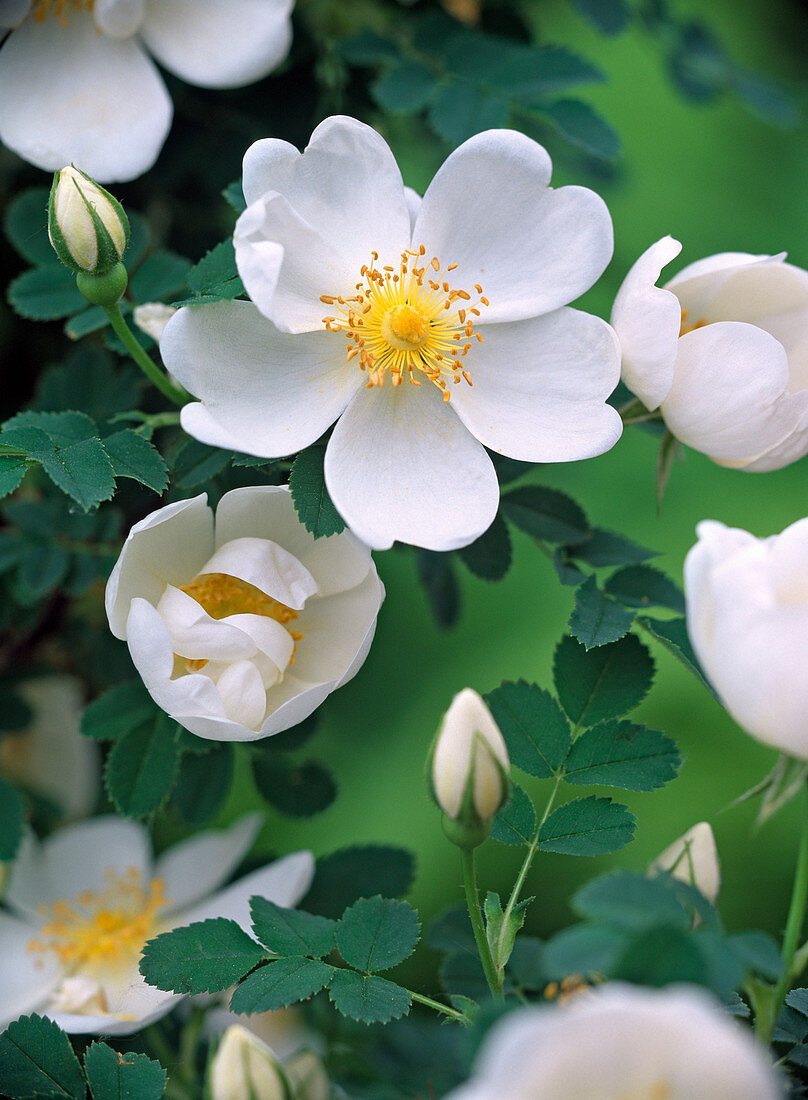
[[59, 9]]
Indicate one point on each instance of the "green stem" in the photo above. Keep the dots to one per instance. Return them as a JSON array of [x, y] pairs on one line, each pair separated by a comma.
[[438, 1007], [767, 1019], [144, 361], [473, 902]]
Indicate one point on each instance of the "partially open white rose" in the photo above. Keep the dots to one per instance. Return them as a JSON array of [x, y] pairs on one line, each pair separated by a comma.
[[240, 627], [722, 351], [747, 616]]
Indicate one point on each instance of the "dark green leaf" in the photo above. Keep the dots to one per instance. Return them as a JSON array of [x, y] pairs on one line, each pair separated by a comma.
[[12, 471], [535, 730], [216, 266], [26, 225], [12, 819], [297, 790], [129, 1076], [367, 48], [291, 931], [37, 1060], [644, 586], [88, 320], [581, 125], [622, 754], [139, 772], [117, 711], [584, 949], [90, 380], [407, 88], [669, 450], [546, 514], [607, 548], [452, 933], [631, 901], [15, 713], [661, 955], [197, 463], [489, 556], [43, 569], [366, 998], [526, 965], [377, 933], [766, 100], [516, 821], [160, 276], [672, 633], [133, 456], [310, 496], [203, 957], [531, 73], [437, 576], [351, 873], [45, 293], [604, 682], [69, 452], [281, 983], [608, 16], [461, 974], [759, 953], [567, 571], [234, 195], [460, 111], [587, 827], [596, 619], [203, 783]]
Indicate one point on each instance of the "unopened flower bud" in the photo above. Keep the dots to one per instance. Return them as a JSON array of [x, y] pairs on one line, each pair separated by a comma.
[[469, 769], [87, 226], [307, 1076], [693, 858], [244, 1068]]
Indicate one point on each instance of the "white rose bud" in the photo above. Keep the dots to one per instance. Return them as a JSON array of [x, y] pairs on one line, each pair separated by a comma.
[[693, 858], [244, 1068], [87, 226], [469, 769], [307, 1076]]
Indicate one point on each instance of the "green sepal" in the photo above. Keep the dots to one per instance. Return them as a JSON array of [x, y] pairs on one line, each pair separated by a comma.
[[108, 255], [103, 290]]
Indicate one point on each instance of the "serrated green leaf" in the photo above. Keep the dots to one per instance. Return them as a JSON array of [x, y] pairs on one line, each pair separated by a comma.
[[630, 901], [672, 633], [597, 619], [346, 875], [546, 514], [604, 682], [26, 225], [608, 16], [535, 730], [12, 471], [367, 998], [377, 933], [203, 957], [92, 319], [460, 111], [37, 1061], [312, 503], [133, 456], [117, 711], [197, 463], [203, 784], [501, 932], [66, 446], [89, 380], [516, 821], [404, 88], [643, 586], [489, 556], [607, 548], [160, 276], [45, 293], [437, 576], [297, 790], [291, 931], [140, 769], [587, 827], [42, 569], [216, 266], [281, 983], [129, 1076], [580, 124], [12, 819], [622, 754]]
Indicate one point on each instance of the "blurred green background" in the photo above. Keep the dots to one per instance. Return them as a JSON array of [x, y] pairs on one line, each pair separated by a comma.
[[717, 179]]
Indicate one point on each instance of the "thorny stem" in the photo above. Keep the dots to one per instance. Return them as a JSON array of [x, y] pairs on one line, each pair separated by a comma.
[[144, 361], [473, 902]]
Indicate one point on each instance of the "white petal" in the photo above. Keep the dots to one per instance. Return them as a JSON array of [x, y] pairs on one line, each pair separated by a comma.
[[718, 267], [401, 466], [75, 859], [267, 566], [647, 321], [414, 201], [218, 43], [532, 248], [26, 979], [270, 638], [285, 882], [539, 388], [103, 107], [118, 18], [336, 563], [194, 634], [693, 858], [265, 392], [242, 692], [728, 396], [133, 1006], [167, 547], [291, 701], [334, 630], [199, 865]]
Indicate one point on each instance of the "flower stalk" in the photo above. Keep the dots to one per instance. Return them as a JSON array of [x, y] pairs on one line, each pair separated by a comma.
[[476, 917], [175, 394]]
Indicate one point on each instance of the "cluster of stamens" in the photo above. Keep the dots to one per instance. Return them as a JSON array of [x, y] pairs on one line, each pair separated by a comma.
[[408, 323], [685, 326], [59, 9], [102, 927]]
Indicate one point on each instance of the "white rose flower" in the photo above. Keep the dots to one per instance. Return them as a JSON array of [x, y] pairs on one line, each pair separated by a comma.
[[85, 901], [722, 351], [359, 286], [693, 858], [240, 627], [102, 104], [747, 616], [622, 1041]]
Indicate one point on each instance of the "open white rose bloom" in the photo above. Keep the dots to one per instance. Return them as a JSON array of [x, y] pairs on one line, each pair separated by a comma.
[[84, 902], [427, 329], [240, 627], [103, 105], [747, 616], [621, 1042], [722, 351]]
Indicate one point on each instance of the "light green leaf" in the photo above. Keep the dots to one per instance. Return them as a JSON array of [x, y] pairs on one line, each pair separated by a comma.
[[281, 983], [203, 957], [587, 827], [377, 933], [367, 998], [604, 682], [501, 933]]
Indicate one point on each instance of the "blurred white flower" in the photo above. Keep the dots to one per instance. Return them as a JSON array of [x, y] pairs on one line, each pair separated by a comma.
[[240, 627], [85, 901], [77, 84], [693, 858], [463, 294], [747, 616], [152, 318], [622, 1041], [470, 766], [50, 757], [722, 351]]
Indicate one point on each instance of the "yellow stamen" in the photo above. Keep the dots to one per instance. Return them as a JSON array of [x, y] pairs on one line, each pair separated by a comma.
[[685, 327], [59, 9], [222, 595]]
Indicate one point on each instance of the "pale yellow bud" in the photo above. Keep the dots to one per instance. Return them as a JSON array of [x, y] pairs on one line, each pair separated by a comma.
[[307, 1076], [693, 858], [244, 1068], [470, 764], [86, 224]]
